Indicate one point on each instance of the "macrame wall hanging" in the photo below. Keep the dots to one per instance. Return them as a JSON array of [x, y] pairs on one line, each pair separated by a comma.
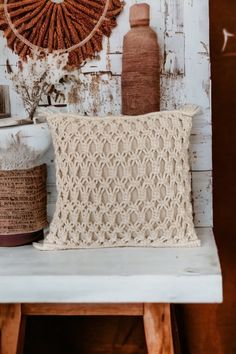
[[61, 26]]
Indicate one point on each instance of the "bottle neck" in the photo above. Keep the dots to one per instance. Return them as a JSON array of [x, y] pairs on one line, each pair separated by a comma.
[[139, 24], [139, 27]]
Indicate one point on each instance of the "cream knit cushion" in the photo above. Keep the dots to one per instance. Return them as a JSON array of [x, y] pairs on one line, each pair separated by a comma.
[[122, 181]]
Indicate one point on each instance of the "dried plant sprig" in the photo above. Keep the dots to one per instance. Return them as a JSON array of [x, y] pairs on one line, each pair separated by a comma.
[[18, 155], [37, 78]]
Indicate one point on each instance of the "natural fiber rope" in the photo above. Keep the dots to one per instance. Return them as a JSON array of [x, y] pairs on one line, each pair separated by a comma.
[[23, 200], [58, 51]]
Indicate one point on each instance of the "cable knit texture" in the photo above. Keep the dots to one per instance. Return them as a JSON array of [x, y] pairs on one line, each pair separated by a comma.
[[122, 181]]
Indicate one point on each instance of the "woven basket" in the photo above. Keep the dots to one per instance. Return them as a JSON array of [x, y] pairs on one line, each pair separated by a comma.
[[23, 201]]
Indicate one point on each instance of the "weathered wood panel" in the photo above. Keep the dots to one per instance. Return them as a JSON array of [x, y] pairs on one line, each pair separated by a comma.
[[182, 27], [5, 108]]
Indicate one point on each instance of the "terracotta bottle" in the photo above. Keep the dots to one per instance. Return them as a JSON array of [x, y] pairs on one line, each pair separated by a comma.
[[141, 67]]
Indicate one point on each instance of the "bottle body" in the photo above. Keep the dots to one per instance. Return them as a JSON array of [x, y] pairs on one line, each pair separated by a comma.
[[140, 71]]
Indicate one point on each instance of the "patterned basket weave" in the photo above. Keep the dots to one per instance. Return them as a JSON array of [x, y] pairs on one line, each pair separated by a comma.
[[23, 200]]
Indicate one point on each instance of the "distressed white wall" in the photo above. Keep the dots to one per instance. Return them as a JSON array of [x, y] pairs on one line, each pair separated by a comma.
[[183, 31]]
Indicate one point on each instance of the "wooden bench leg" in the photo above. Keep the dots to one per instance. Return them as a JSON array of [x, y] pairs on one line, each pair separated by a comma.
[[157, 326], [157, 322], [11, 328]]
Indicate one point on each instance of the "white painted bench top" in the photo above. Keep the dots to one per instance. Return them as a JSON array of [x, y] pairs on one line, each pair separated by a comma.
[[190, 275]]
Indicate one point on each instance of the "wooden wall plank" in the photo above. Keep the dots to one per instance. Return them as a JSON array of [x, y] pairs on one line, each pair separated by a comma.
[[202, 198], [200, 152], [5, 107]]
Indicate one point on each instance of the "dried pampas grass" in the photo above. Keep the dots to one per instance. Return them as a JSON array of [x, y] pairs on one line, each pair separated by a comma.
[[17, 155]]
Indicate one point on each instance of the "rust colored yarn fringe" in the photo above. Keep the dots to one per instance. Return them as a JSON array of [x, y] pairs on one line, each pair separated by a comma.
[[23, 200], [58, 26]]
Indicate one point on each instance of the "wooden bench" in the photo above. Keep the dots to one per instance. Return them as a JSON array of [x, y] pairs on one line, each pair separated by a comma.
[[127, 281]]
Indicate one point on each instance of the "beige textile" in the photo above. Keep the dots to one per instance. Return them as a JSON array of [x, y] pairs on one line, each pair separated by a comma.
[[122, 181]]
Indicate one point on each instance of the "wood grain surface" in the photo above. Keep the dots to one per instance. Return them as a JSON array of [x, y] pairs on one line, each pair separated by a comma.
[[83, 309], [157, 327]]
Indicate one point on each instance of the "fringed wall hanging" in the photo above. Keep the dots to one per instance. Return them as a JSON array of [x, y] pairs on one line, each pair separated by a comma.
[[63, 26]]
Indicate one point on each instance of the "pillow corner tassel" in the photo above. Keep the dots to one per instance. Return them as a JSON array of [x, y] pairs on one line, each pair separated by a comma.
[[190, 110]]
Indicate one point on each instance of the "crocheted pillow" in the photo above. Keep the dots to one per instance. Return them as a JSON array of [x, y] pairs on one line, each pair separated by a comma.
[[122, 181]]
